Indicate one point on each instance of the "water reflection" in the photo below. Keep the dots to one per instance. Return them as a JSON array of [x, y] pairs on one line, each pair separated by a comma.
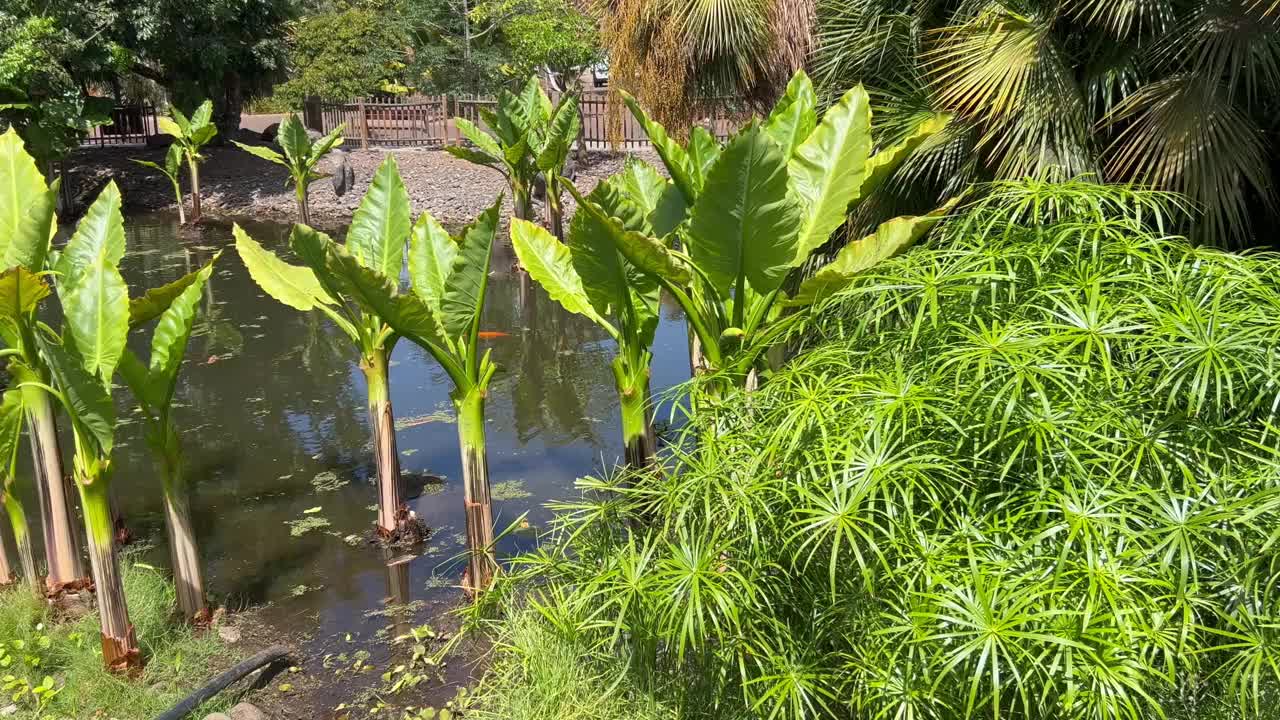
[[271, 403]]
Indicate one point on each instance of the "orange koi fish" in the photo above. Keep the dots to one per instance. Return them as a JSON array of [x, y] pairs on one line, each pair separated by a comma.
[[493, 335]]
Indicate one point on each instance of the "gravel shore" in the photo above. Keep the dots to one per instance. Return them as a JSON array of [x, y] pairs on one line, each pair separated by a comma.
[[236, 183]]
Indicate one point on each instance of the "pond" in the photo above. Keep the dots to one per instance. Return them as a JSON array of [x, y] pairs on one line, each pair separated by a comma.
[[277, 442]]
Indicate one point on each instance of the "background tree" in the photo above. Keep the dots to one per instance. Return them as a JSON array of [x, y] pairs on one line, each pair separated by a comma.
[[1173, 95], [344, 53], [552, 38]]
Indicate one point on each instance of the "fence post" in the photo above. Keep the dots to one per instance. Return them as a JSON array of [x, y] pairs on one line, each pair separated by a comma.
[[312, 117], [364, 124]]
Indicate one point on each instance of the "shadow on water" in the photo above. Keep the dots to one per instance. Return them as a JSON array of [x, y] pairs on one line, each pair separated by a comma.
[[277, 443]]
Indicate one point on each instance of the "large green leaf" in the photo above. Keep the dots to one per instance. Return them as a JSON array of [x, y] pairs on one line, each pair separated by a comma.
[[293, 139], [173, 161], [325, 144], [596, 259], [20, 293], [151, 304], [744, 223], [465, 289], [21, 184], [472, 155], [202, 116], [888, 240], [795, 115], [883, 164], [291, 285], [169, 342], [98, 239], [29, 246], [561, 134], [481, 139], [673, 156], [550, 264], [828, 168], [170, 127], [704, 149], [642, 184], [11, 418], [648, 254], [431, 254], [85, 397], [265, 153], [380, 227], [202, 135]]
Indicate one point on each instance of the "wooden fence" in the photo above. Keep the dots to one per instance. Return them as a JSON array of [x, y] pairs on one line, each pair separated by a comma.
[[427, 121], [130, 125]]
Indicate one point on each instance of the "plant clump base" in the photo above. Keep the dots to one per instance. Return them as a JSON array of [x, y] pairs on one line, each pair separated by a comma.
[[410, 530], [121, 655]]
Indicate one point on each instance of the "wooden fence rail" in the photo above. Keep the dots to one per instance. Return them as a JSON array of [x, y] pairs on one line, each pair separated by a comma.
[[130, 125], [427, 121]]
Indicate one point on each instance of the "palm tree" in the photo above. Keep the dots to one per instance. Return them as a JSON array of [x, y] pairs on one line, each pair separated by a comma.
[[671, 54], [1178, 96]]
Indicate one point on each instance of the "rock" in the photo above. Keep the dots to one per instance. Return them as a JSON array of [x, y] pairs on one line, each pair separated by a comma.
[[8, 710], [248, 137], [216, 716], [269, 133], [229, 635], [246, 711]]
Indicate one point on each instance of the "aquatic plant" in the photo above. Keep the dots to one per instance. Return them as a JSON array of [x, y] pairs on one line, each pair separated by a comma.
[[174, 308], [172, 170], [528, 136], [376, 242], [27, 218], [190, 134], [588, 276], [10, 436], [748, 214], [300, 158], [1027, 471]]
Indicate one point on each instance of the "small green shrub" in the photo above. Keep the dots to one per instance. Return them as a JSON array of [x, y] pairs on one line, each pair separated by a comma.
[[1026, 472]]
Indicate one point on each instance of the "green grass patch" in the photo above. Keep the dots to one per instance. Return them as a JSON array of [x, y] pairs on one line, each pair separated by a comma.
[[37, 646]]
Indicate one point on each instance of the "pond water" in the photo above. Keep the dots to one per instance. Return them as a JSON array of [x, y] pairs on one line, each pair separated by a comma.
[[274, 430]]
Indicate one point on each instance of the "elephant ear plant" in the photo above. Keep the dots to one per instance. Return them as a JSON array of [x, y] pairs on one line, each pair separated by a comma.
[[174, 307], [10, 436], [588, 276], [300, 158], [172, 170], [191, 134], [26, 226], [527, 136], [376, 240], [738, 219]]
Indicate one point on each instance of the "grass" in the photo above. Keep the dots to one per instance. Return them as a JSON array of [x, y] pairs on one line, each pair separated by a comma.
[[179, 659]]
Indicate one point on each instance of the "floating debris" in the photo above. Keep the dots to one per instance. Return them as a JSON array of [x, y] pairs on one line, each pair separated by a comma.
[[300, 527], [328, 481], [439, 416], [509, 490]]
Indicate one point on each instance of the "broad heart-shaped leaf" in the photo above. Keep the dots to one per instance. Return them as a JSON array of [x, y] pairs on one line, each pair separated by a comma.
[[169, 342], [795, 116], [29, 246], [481, 139], [596, 259], [704, 149], [828, 168], [293, 139], [380, 226], [291, 285], [98, 239], [84, 396], [152, 304], [21, 184], [642, 184], [322, 147], [431, 254], [20, 293], [673, 156], [744, 223], [265, 153], [549, 263], [648, 254], [169, 126], [889, 239], [96, 317], [883, 164], [472, 155], [202, 135], [560, 136], [173, 161], [465, 289], [203, 114], [137, 378], [10, 433]]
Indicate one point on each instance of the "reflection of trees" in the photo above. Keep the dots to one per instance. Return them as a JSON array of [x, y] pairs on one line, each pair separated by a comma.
[[554, 367]]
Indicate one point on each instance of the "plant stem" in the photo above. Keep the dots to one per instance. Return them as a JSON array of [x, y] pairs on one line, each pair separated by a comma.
[[304, 210], [120, 651], [195, 189], [475, 484], [555, 209], [61, 545], [22, 540], [182, 211], [382, 424], [632, 381], [522, 201], [183, 552]]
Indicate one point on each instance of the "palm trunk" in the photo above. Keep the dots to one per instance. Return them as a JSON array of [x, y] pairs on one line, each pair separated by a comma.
[[637, 411], [187, 573], [304, 210], [392, 512], [475, 485], [61, 544], [195, 190], [22, 541], [120, 651]]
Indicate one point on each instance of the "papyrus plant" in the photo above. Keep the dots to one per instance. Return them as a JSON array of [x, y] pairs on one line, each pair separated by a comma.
[[527, 136], [300, 158], [738, 219], [191, 134], [26, 225], [588, 276]]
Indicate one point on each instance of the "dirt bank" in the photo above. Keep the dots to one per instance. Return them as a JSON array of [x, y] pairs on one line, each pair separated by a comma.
[[236, 183]]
